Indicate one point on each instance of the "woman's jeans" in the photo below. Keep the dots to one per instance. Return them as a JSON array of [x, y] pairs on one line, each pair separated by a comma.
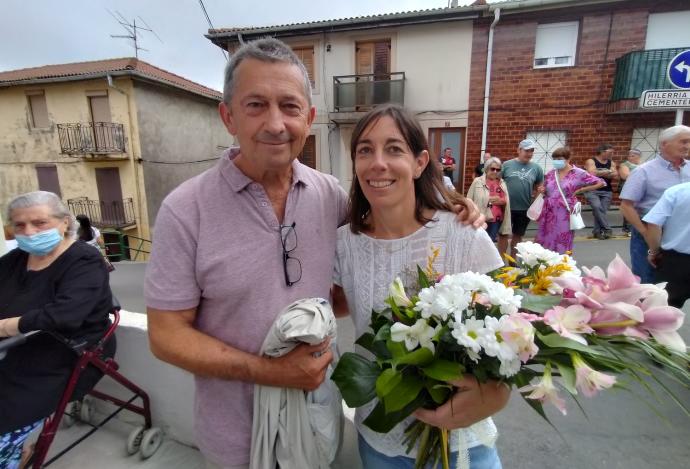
[[600, 202], [638, 258], [481, 457], [492, 228]]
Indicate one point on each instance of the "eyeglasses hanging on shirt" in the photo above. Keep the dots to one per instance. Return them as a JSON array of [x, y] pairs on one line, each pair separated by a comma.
[[292, 267]]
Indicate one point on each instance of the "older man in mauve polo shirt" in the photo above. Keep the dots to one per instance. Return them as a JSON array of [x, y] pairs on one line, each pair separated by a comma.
[[238, 243]]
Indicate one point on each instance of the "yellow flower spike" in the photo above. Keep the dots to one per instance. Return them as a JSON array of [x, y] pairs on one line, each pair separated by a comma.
[[509, 258], [430, 271]]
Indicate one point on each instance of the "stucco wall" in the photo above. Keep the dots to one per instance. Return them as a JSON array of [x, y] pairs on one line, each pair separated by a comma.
[[22, 147], [175, 130], [436, 62]]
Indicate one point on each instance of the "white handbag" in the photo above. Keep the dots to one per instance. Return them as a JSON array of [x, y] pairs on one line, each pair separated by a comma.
[[534, 210], [576, 221]]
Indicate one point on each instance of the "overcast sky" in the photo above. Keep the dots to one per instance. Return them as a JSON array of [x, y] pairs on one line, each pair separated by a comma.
[[41, 32]]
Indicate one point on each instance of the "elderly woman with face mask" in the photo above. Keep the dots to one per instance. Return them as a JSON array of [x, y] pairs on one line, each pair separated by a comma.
[[554, 222], [53, 284], [490, 194]]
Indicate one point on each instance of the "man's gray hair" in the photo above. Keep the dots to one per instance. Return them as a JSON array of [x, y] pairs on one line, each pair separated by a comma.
[[266, 49], [50, 200], [673, 132], [492, 160]]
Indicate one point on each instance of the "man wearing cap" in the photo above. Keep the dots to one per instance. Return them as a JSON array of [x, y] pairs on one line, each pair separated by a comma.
[[523, 178]]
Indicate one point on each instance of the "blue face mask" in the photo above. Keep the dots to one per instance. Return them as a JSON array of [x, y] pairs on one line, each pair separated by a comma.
[[558, 164], [41, 243]]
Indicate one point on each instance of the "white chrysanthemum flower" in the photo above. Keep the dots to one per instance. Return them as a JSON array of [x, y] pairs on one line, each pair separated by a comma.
[[509, 368], [468, 333], [493, 343], [443, 300], [499, 294]]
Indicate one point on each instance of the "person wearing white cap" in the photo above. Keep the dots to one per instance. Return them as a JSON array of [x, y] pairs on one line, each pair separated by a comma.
[[523, 178]]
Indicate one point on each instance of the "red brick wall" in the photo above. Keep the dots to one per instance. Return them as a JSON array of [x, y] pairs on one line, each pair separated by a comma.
[[571, 99]]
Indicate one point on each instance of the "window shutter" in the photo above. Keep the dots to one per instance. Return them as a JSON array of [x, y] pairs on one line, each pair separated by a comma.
[[308, 156], [48, 179], [556, 44], [39, 110], [306, 55]]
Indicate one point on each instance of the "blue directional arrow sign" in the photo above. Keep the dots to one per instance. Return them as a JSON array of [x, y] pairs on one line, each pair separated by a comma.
[[679, 70]]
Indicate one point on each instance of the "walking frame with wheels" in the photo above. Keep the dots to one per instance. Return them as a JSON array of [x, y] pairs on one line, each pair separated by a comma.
[[144, 439]]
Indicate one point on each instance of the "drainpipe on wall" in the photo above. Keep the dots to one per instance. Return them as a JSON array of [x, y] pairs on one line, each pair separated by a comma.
[[487, 81], [132, 161]]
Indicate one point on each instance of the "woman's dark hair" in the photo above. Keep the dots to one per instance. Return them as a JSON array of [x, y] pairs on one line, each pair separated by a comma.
[[563, 152], [430, 193], [84, 232], [603, 147]]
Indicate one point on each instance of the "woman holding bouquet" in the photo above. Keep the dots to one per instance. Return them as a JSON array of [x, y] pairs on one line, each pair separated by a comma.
[[563, 183], [399, 214]]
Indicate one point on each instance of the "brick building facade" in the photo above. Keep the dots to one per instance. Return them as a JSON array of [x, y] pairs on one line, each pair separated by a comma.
[[564, 104]]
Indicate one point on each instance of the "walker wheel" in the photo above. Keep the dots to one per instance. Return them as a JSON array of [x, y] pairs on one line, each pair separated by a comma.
[[86, 410], [153, 437], [71, 414], [134, 440]]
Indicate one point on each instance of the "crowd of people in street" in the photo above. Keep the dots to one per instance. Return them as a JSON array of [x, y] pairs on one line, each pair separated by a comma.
[[252, 235]]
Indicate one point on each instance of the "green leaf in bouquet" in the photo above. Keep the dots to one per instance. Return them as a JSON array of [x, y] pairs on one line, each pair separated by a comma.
[[567, 377], [356, 378], [401, 315], [366, 341], [381, 421], [396, 349], [405, 392], [538, 303], [423, 278], [383, 334], [387, 381], [439, 392], [443, 370], [554, 340], [378, 320], [420, 357], [539, 407]]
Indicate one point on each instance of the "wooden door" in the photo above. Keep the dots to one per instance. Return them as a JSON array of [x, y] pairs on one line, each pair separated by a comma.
[[453, 138], [100, 115], [110, 195]]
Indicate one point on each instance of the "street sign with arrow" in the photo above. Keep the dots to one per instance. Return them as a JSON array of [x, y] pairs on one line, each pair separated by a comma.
[[679, 70]]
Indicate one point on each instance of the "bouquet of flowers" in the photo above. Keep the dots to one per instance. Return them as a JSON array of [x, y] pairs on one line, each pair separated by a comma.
[[541, 325]]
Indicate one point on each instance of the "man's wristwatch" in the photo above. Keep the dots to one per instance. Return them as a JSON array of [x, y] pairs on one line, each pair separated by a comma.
[[651, 252]]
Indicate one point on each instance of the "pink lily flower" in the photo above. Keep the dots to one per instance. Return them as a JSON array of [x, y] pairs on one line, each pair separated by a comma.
[[545, 391], [588, 380], [570, 322], [663, 321]]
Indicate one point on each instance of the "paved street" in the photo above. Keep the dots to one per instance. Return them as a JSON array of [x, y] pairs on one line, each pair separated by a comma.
[[619, 430]]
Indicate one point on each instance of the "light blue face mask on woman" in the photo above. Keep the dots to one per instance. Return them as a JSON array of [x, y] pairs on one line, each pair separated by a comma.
[[558, 164], [41, 243]]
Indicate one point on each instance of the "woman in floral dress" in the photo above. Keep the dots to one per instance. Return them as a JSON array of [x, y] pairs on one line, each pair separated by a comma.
[[554, 222]]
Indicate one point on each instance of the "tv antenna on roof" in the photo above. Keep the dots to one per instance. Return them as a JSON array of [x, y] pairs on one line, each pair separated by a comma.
[[132, 30]]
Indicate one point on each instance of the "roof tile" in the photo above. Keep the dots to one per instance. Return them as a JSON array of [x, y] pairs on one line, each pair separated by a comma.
[[101, 67]]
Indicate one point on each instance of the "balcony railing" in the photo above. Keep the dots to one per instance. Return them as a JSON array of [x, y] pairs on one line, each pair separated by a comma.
[[362, 92], [91, 137], [642, 70], [115, 214]]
